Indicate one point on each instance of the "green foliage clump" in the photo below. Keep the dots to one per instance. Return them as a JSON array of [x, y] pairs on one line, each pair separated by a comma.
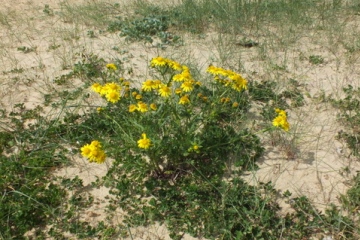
[[350, 118], [28, 199]]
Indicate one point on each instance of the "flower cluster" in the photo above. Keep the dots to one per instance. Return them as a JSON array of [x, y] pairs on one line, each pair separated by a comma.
[[111, 91], [93, 152], [111, 66], [164, 62], [228, 78], [142, 107], [281, 120]]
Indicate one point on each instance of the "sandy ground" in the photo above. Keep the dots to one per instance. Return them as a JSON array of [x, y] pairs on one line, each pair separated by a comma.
[[313, 166]]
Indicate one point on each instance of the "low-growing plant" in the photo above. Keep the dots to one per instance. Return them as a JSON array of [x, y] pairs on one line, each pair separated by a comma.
[[145, 29], [316, 59], [350, 117], [172, 142]]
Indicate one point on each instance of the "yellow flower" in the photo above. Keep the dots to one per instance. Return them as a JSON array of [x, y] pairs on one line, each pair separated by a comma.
[[144, 142], [110, 87], [194, 148], [132, 108], [157, 84], [99, 109], [126, 84], [217, 71], [142, 107], [86, 150], [111, 66], [235, 104], [281, 120], [280, 112], [93, 152], [187, 86], [96, 87], [158, 62], [113, 96], [239, 83], [138, 97], [184, 100], [148, 85], [134, 94], [174, 65], [183, 76], [164, 91], [225, 100], [153, 106], [178, 91], [96, 143]]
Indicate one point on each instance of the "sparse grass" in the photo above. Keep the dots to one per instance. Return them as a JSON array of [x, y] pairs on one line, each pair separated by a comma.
[[199, 190]]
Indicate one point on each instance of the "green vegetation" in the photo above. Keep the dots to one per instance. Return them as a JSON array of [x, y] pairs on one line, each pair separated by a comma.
[[179, 142]]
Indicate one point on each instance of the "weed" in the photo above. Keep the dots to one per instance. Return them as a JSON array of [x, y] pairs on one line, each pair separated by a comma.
[[316, 59], [349, 116], [91, 34], [48, 11], [25, 49]]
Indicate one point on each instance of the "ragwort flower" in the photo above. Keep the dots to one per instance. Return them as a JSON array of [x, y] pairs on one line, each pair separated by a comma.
[[164, 91], [144, 142], [112, 96], [93, 152], [142, 107], [158, 62], [184, 100], [111, 66], [281, 120], [148, 85], [187, 86]]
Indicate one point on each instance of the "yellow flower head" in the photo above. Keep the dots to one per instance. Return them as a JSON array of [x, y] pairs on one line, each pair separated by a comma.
[[174, 65], [96, 87], [183, 76], [144, 142], [138, 97], [281, 120], [164, 91], [225, 100], [217, 71], [158, 62], [126, 84], [153, 106], [187, 86], [111, 66], [110, 87], [184, 100], [157, 84], [148, 85], [235, 104], [132, 108], [142, 107], [93, 152], [113, 86], [178, 91], [86, 150], [194, 148], [113, 96]]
